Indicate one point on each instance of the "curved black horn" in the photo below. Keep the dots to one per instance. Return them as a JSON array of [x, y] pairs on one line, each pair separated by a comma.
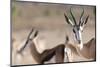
[[80, 20], [66, 18], [30, 34], [86, 19], [73, 17], [36, 33]]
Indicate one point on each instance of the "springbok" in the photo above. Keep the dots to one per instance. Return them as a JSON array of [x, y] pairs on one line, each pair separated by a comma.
[[77, 28], [47, 54], [87, 52]]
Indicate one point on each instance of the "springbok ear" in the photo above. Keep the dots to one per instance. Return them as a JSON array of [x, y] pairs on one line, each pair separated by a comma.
[[85, 21], [68, 20], [32, 35], [36, 33]]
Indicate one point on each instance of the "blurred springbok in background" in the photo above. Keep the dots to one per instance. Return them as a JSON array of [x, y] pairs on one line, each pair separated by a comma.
[[47, 54], [77, 28]]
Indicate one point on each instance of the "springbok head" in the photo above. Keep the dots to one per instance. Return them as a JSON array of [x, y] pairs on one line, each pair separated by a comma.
[[30, 37], [77, 26]]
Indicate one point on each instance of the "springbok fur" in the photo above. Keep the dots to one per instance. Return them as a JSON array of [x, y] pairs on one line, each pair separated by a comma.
[[88, 51], [77, 27], [47, 54]]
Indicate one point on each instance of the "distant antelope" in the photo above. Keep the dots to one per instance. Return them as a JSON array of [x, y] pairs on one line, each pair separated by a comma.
[[46, 55], [77, 28]]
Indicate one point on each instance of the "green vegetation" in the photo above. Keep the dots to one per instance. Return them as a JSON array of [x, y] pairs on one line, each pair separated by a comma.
[[13, 10]]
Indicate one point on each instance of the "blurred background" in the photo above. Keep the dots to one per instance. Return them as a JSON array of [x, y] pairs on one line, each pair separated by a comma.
[[49, 20]]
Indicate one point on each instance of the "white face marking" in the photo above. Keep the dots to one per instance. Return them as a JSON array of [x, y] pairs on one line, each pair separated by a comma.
[[77, 33], [80, 44], [81, 28], [78, 36]]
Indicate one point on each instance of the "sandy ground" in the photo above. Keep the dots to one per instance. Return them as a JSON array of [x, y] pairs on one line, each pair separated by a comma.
[[46, 40], [52, 28]]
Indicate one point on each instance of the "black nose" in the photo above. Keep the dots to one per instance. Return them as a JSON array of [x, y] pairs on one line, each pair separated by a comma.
[[79, 41]]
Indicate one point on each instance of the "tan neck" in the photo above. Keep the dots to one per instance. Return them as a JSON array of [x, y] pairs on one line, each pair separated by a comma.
[[36, 55]]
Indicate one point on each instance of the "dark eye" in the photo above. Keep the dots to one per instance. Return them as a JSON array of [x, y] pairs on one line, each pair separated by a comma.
[[78, 28], [73, 30]]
